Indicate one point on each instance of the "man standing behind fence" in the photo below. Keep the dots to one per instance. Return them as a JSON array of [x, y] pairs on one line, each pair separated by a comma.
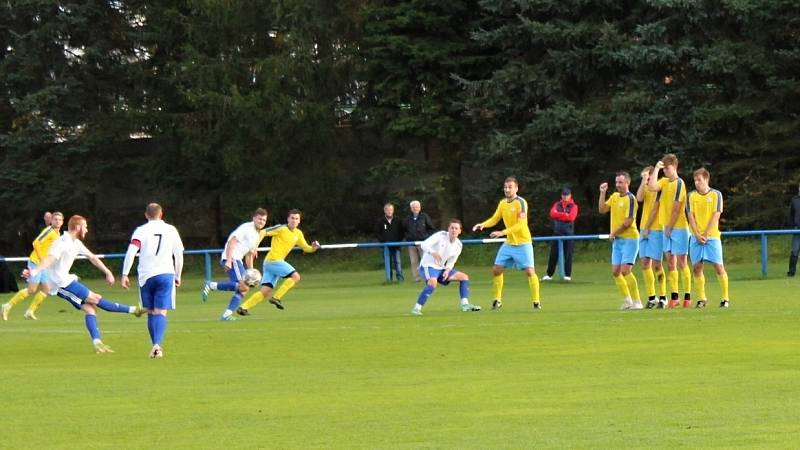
[[389, 229], [794, 217], [417, 226], [563, 212]]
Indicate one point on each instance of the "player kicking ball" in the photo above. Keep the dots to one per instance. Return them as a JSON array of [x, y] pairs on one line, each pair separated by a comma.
[[58, 262], [440, 253]]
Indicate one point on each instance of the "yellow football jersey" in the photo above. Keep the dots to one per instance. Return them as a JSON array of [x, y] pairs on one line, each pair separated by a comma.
[[671, 192], [623, 207], [703, 207], [514, 213], [42, 244], [650, 197], [283, 241]]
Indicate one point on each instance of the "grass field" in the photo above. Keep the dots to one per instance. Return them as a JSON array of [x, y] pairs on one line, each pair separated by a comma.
[[346, 366]]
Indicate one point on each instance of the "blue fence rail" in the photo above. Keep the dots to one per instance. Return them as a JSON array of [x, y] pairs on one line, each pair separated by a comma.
[[207, 253]]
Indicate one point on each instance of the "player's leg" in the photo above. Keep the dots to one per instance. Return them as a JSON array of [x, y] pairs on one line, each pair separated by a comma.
[[696, 250], [287, 284], [714, 254], [22, 294], [497, 286], [463, 289], [431, 277], [649, 278], [77, 295], [722, 278], [256, 298], [107, 305], [523, 258], [277, 270], [158, 299], [618, 277], [681, 250], [236, 284], [630, 249], [235, 275]]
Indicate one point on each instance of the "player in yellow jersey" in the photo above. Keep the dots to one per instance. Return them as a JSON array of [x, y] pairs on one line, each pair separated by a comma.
[[624, 237], [517, 250], [284, 238], [651, 243], [41, 245], [703, 210], [676, 229]]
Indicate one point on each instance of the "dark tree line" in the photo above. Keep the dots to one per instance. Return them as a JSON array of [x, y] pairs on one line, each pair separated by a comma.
[[215, 107]]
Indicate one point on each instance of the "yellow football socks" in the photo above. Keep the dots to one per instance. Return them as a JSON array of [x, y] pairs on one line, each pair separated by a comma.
[[723, 285], [649, 281], [252, 301], [37, 300], [686, 279], [497, 286], [18, 297], [672, 275], [285, 286], [622, 285], [633, 286], [533, 284], [661, 278], [700, 286]]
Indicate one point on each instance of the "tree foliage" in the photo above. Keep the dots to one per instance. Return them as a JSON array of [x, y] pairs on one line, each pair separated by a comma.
[[217, 107]]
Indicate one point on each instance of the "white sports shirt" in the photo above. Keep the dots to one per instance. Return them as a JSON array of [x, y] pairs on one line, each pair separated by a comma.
[[439, 242], [64, 250], [160, 251], [247, 240]]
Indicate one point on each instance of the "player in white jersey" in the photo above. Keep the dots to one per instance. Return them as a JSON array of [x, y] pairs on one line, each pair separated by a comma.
[[58, 262], [160, 265], [237, 257], [440, 253]]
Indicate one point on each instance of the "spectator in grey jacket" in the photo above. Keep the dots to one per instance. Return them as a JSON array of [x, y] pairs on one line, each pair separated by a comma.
[[794, 217], [417, 227]]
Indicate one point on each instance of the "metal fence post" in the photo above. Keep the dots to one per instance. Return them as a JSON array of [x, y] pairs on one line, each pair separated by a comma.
[[561, 257], [764, 254], [207, 257]]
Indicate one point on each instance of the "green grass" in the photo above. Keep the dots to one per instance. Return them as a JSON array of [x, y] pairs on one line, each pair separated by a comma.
[[346, 366]]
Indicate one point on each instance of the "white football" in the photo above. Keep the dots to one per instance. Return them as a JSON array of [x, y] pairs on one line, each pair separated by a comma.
[[252, 277]]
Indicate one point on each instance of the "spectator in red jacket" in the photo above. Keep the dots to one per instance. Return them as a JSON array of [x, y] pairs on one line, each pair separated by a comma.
[[563, 213]]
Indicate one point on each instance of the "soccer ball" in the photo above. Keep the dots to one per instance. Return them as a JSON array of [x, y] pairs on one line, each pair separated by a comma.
[[252, 277]]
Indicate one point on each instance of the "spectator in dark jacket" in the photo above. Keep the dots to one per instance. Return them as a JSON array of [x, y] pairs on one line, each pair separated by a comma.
[[794, 217], [417, 226], [563, 212], [389, 229]]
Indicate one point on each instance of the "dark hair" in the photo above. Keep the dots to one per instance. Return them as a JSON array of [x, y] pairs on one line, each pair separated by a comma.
[[260, 212], [511, 179], [294, 211]]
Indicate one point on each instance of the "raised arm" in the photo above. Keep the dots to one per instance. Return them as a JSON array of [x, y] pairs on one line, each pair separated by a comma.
[[601, 201], [652, 182]]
